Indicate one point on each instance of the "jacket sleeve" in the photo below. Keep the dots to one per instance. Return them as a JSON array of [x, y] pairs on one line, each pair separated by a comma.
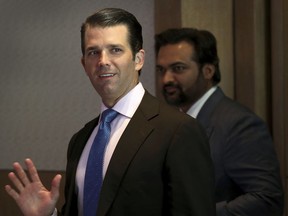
[[189, 173], [251, 163]]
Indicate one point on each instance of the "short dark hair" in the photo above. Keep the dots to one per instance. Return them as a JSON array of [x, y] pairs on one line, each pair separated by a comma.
[[203, 41], [111, 17]]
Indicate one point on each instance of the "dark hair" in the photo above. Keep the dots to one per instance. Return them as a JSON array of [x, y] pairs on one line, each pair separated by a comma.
[[203, 41], [111, 17]]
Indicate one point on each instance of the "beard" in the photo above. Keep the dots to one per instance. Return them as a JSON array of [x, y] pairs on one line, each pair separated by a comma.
[[175, 97]]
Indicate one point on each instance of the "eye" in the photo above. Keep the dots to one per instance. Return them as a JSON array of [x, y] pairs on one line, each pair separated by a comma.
[[160, 70], [178, 68], [116, 50], [92, 53]]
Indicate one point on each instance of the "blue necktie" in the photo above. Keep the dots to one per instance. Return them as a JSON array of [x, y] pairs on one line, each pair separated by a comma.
[[94, 169]]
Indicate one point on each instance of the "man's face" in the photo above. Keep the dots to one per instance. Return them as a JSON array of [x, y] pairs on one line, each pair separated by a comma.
[[109, 62], [178, 75]]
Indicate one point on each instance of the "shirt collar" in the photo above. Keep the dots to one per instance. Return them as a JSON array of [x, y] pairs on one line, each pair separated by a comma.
[[196, 107], [128, 104]]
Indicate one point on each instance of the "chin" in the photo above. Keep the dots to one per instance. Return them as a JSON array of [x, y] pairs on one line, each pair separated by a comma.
[[172, 101]]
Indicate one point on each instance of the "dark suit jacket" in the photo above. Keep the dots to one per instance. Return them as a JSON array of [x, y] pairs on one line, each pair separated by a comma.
[[246, 167], [161, 166]]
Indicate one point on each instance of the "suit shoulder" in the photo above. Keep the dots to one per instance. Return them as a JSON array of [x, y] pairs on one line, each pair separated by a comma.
[[233, 110], [152, 107]]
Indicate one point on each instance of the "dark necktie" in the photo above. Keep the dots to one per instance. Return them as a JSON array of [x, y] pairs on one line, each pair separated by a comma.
[[94, 169]]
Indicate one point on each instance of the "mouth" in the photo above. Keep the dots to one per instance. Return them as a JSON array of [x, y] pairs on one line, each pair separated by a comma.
[[170, 89], [106, 75]]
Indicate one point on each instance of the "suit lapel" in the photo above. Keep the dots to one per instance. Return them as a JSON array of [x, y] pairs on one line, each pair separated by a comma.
[[204, 116], [74, 153], [131, 140]]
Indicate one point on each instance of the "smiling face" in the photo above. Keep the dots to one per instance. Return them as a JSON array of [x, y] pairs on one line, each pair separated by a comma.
[[179, 76], [109, 62]]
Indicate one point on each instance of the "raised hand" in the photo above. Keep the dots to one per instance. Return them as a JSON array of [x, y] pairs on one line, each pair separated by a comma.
[[30, 195]]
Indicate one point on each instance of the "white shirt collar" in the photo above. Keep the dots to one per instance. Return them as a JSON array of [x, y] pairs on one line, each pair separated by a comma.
[[128, 104], [196, 107]]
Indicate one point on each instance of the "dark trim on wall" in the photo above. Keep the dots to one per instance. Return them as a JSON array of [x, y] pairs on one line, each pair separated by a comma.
[[244, 52], [167, 14], [279, 76]]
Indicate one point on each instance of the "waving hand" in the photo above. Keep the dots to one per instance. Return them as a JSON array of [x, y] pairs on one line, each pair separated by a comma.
[[30, 195]]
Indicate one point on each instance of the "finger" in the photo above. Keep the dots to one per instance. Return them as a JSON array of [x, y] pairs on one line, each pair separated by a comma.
[[55, 187], [32, 170], [21, 173], [15, 180], [11, 192]]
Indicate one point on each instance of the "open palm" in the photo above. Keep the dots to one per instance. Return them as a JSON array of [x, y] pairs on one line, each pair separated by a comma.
[[30, 195]]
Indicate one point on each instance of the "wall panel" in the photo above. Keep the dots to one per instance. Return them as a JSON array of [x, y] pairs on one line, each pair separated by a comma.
[[217, 17], [279, 77], [252, 65]]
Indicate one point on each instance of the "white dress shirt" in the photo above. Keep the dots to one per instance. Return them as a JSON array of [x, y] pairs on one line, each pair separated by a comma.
[[196, 107], [126, 108]]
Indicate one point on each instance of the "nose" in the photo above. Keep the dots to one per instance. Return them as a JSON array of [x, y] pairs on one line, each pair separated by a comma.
[[103, 58], [167, 77]]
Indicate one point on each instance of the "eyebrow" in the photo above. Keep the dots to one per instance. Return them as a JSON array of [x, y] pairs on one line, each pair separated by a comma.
[[109, 46], [177, 63]]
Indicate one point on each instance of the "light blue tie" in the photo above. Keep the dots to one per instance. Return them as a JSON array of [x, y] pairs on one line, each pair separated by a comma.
[[94, 169]]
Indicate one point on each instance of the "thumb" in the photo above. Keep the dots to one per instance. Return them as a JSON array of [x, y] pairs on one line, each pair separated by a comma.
[[55, 187]]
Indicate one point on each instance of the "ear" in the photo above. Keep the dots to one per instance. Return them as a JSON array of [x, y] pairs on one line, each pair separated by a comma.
[[208, 71], [139, 59]]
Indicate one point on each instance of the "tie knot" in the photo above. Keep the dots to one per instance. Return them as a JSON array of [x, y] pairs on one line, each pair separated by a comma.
[[108, 115]]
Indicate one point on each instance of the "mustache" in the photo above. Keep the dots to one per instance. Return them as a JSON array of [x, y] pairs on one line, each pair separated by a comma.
[[170, 84]]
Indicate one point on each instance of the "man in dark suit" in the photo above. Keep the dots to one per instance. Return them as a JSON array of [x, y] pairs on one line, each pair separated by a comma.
[[157, 161], [246, 167]]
